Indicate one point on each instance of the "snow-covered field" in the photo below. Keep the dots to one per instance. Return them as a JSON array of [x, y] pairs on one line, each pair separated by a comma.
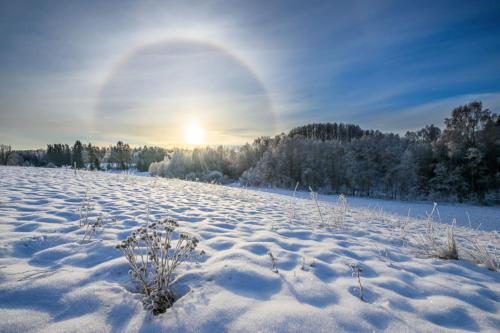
[[467, 215], [51, 281]]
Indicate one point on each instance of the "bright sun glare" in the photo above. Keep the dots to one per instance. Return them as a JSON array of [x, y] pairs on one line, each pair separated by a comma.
[[194, 134]]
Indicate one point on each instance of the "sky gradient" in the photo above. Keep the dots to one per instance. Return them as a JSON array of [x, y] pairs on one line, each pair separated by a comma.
[[141, 71]]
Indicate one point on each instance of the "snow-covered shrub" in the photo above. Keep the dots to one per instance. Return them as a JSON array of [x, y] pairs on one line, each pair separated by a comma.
[[191, 176], [159, 169], [198, 165], [213, 176], [154, 252], [255, 177], [153, 169]]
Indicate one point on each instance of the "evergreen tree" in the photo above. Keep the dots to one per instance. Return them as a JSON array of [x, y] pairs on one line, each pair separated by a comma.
[[77, 155]]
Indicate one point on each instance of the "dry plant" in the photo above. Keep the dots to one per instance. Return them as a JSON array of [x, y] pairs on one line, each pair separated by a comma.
[[404, 228], [356, 273], [90, 220], [385, 256], [153, 255], [86, 208], [379, 213], [432, 242], [449, 249], [430, 228], [292, 204], [340, 210], [148, 202], [303, 266], [274, 261], [314, 197], [96, 223], [484, 253]]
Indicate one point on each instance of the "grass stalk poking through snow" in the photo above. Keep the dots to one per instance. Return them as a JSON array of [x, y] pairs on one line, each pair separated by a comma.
[[89, 219], [314, 197], [430, 228], [86, 207], [449, 249], [274, 261], [292, 204], [148, 203], [356, 273], [404, 228], [340, 210], [385, 256], [94, 224]]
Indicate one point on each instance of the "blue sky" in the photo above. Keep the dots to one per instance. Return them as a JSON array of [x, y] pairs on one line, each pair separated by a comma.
[[141, 71]]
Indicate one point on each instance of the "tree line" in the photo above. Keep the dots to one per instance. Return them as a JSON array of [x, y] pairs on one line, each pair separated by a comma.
[[459, 163], [85, 156]]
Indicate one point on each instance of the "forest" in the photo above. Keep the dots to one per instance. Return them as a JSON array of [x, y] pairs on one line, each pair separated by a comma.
[[85, 156], [458, 163]]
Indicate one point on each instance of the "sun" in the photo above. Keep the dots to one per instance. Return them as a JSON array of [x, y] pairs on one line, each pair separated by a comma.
[[194, 134]]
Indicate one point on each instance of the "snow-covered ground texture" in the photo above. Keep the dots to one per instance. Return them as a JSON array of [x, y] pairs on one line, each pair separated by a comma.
[[51, 281], [467, 215]]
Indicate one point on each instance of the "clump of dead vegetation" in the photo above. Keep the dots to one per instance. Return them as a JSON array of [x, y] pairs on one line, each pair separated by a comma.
[[435, 241], [485, 253], [154, 253]]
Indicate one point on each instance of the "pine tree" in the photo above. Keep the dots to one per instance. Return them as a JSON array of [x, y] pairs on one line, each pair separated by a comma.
[[77, 155]]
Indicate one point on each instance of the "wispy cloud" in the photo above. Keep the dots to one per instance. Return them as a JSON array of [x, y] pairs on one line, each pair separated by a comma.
[[389, 65]]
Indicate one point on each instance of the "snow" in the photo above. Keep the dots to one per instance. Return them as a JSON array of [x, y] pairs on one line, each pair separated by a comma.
[[467, 215], [134, 172], [52, 282]]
